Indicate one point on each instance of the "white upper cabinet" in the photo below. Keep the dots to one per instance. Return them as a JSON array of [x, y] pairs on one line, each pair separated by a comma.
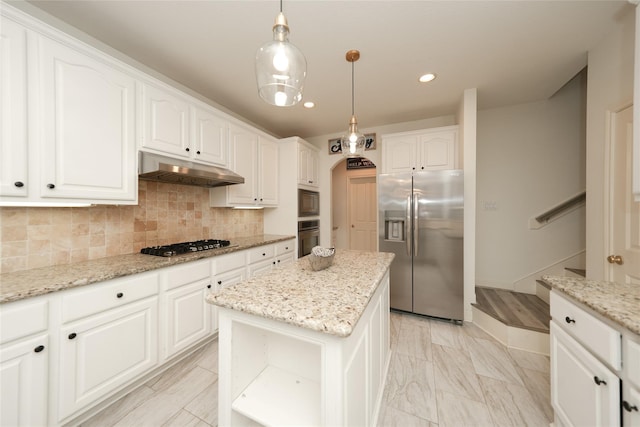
[[429, 149], [87, 111], [13, 113], [255, 158], [176, 124], [308, 159]]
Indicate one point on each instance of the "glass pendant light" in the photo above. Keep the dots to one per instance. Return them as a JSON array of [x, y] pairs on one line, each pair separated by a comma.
[[280, 67], [353, 142]]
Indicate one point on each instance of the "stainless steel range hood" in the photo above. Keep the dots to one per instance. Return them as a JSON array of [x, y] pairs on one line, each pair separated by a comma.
[[154, 167]]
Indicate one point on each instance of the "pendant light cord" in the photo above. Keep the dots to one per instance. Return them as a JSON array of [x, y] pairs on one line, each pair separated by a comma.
[[280, 6], [352, 90]]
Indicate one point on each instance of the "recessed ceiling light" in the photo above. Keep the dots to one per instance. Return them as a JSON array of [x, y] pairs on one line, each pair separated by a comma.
[[427, 77], [309, 104]]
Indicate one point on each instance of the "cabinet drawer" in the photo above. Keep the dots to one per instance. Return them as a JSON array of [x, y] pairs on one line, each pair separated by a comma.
[[598, 337], [632, 361], [228, 262], [284, 247], [188, 273], [22, 318], [114, 293], [261, 253]]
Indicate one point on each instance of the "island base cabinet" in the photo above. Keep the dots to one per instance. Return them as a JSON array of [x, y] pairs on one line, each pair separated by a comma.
[[583, 390], [101, 353], [274, 373]]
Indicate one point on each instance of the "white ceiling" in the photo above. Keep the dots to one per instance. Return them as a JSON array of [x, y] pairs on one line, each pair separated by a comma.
[[511, 51]]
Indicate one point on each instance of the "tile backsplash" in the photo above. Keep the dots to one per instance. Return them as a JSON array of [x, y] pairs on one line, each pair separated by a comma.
[[166, 213]]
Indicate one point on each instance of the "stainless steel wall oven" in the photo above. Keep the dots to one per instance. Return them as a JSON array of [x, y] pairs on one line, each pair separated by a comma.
[[308, 236], [308, 203]]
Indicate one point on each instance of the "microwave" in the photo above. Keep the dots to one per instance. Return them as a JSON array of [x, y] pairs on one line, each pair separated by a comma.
[[308, 203]]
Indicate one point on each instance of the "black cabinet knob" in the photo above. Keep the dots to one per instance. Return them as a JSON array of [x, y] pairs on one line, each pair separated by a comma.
[[286, 248], [629, 407], [598, 381], [278, 261], [264, 254], [219, 282], [209, 286], [19, 184], [119, 294], [413, 168], [51, 186], [422, 167], [569, 320], [274, 263], [255, 200], [72, 335], [186, 149], [260, 199], [198, 152], [38, 349]]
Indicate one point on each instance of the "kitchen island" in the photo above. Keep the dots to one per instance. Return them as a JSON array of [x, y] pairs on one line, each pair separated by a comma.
[[303, 347]]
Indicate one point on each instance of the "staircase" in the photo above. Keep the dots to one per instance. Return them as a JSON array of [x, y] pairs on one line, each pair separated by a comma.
[[518, 320]]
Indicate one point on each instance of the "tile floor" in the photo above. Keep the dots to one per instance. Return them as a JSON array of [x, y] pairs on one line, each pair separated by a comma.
[[440, 375]]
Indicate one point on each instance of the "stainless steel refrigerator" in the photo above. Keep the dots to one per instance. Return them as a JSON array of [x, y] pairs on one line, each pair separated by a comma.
[[421, 221]]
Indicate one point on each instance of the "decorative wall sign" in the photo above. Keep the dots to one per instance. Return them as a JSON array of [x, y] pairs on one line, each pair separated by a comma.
[[369, 143], [359, 163]]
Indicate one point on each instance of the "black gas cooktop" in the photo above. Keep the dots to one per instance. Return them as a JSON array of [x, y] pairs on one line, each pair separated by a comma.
[[185, 247]]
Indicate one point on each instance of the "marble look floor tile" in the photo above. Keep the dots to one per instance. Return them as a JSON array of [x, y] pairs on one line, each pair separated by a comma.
[[456, 411], [414, 339], [205, 405], [168, 402], [185, 419], [395, 320], [454, 373], [492, 360], [538, 384], [526, 359], [176, 372], [410, 386], [448, 334], [474, 331], [120, 408], [208, 358], [511, 404], [392, 417]]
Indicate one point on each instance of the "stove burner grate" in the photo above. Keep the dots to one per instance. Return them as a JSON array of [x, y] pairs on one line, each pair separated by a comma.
[[185, 247]]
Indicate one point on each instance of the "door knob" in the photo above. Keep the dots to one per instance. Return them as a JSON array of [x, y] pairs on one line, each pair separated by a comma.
[[615, 259], [353, 226]]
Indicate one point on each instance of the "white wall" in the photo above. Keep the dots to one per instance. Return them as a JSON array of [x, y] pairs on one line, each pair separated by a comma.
[[530, 157], [610, 87]]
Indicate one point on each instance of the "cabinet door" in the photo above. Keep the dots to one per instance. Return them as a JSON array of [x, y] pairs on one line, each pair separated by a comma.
[[312, 169], [87, 134], [222, 280], [13, 109], [103, 352], [188, 316], [437, 151], [583, 390], [211, 137], [303, 165], [24, 382], [243, 161], [165, 121], [268, 167], [399, 154], [259, 268], [630, 405]]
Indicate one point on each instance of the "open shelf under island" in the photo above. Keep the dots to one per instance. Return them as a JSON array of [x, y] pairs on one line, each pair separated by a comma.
[[303, 347]]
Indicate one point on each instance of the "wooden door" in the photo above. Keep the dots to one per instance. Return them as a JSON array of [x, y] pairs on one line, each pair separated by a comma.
[[363, 204], [624, 213]]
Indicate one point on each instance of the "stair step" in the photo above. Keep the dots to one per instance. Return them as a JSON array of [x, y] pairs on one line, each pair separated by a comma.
[[543, 283], [578, 271], [514, 309]]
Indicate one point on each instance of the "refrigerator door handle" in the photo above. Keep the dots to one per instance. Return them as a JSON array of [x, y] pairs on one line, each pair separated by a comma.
[[407, 230], [415, 224]]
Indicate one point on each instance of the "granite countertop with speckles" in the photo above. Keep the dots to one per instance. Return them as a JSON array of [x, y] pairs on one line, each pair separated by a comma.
[[330, 300], [40, 281], [619, 302]]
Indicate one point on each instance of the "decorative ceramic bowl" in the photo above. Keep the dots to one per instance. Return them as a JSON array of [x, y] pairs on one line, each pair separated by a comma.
[[318, 262]]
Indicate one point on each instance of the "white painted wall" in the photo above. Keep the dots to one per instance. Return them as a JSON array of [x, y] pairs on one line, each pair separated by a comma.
[[610, 86], [530, 157]]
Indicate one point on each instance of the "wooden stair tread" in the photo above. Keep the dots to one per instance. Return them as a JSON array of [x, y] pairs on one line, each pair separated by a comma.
[[514, 309]]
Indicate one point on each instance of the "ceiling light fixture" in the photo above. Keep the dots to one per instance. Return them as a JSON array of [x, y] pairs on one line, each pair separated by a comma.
[[280, 67], [309, 104], [352, 143], [427, 78]]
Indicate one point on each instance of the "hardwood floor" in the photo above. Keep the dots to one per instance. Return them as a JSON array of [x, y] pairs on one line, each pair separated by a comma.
[[514, 309], [440, 375]]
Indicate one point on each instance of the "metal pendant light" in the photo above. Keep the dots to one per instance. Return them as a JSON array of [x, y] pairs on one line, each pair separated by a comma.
[[353, 142], [280, 67]]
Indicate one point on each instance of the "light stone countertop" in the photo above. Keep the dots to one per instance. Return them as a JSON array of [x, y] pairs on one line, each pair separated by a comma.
[[619, 302], [329, 301], [40, 281]]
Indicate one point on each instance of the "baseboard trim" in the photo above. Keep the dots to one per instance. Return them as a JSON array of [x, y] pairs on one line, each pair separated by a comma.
[[516, 338]]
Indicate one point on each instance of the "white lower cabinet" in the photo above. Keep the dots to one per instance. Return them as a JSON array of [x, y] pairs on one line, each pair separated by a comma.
[[583, 390], [188, 317], [631, 381], [105, 351]]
